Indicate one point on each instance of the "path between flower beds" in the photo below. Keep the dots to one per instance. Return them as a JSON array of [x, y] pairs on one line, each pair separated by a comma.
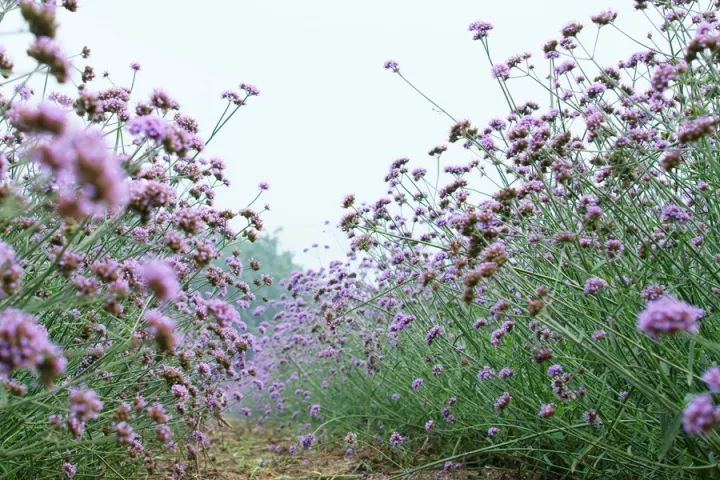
[[241, 453]]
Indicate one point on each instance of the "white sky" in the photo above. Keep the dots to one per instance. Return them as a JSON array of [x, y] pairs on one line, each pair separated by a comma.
[[329, 119]]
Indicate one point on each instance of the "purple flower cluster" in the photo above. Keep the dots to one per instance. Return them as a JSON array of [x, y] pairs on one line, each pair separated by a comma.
[[10, 271], [433, 333], [25, 344], [700, 415], [397, 439], [84, 405], [160, 278], [480, 29], [667, 316], [594, 285]]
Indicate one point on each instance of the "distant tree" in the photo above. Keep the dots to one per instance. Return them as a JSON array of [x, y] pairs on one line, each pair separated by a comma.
[[265, 266]]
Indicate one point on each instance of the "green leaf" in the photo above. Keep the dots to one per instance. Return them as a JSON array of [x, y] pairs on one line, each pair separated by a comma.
[[669, 432]]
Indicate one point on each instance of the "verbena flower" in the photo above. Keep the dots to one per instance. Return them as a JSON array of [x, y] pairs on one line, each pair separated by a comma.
[[392, 65], [667, 316], [162, 328], [307, 441], [11, 272], [397, 439], [547, 410], [480, 29], [502, 401], [700, 415], [161, 279], [594, 285], [25, 344], [711, 377]]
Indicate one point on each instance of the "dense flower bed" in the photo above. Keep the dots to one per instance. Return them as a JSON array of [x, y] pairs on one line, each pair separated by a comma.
[[119, 317], [567, 321]]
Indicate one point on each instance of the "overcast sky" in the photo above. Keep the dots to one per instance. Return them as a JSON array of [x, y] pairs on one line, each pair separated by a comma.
[[329, 119]]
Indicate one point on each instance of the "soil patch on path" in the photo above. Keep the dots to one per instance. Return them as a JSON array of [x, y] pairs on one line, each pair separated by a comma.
[[255, 454]]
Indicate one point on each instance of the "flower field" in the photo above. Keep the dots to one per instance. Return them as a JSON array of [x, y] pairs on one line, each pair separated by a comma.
[[564, 324]]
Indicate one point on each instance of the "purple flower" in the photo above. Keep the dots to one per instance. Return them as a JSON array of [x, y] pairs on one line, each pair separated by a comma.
[[652, 293], [605, 17], [502, 401], [250, 90], [700, 415], [47, 52], [314, 410], [433, 333], [400, 322], [147, 195], [45, 118], [571, 29], [492, 431], [84, 405], [69, 470], [595, 90], [614, 248], [148, 126], [547, 410], [598, 335], [500, 71], [480, 322], [396, 439], [593, 285], [429, 425], [554, 370], [591, 417], [24, 92], [163, 330], [696, 129], [10, 271], [565, 67], [506, 372], [306, 441], [486, 373], [392, 65], [161, 100], [92, 178], [668, 315], [480, 29], [417, 384], [674, 213], [593, 212], [712, 378], [161, 279], [25, 344], [179, 391]]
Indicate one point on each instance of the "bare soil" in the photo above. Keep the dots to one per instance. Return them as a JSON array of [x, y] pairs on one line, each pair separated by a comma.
[[242, 453]]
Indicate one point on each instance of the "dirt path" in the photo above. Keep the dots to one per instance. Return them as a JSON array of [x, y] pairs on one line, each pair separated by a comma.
[[239, 453]]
